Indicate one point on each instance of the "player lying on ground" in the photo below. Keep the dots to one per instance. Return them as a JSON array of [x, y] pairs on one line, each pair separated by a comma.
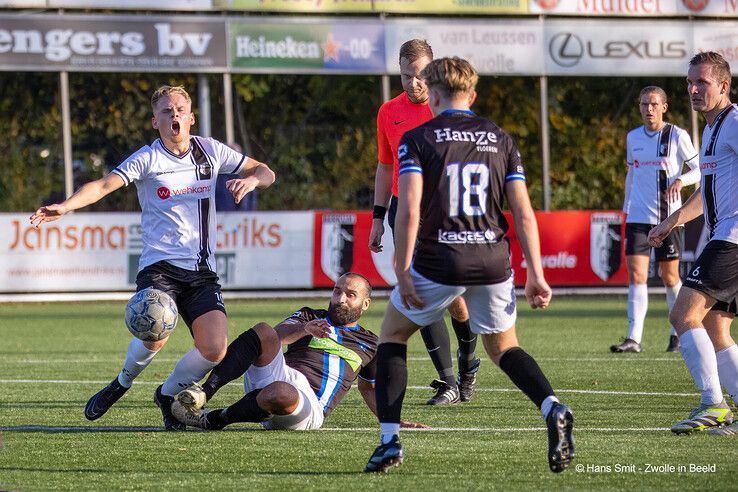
[[326, 351]]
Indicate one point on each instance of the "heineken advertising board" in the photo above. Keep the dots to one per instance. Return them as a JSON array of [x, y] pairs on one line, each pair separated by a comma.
[[332, 46]]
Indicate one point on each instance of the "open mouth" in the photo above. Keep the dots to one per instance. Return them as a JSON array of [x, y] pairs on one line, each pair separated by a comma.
[[175, 128]]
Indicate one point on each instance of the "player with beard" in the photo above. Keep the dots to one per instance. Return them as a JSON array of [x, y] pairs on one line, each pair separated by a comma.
[[326, 351]]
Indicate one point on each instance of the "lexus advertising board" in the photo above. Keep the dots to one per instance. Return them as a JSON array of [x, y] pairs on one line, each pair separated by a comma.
[[603, 47]]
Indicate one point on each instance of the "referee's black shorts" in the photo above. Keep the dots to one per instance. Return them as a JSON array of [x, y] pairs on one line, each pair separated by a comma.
[[194, 292]]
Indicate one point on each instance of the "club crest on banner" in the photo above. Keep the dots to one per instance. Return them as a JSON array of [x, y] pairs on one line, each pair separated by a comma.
[[606, 241], [337, 244]]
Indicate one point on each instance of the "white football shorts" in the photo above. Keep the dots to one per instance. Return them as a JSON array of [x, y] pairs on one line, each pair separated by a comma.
[[491, 307], [309, 412]]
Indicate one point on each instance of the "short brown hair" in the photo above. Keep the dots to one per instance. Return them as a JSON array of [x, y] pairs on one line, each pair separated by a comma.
[[655, 89], [450, 75], [415, 49], [166, 90], [720, 67]]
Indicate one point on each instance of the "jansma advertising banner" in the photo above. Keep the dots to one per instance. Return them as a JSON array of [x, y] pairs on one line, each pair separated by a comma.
[[100, 251]]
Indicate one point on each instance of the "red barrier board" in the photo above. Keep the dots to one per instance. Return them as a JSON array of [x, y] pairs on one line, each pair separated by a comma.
[[577, 248]]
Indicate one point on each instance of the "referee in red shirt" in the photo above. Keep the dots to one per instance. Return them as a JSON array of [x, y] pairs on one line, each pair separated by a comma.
[[395, 117]]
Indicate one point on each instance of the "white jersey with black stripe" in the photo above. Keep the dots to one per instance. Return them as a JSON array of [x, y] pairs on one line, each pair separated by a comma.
[[177, 198], [719, 165], [655, 160]]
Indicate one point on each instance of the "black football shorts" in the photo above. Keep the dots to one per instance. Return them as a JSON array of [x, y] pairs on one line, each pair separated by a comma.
[[715, 272], [194, 292], [636, 242]]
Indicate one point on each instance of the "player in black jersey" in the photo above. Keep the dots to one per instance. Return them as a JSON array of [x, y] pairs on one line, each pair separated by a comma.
[[450, 240], [327, 350]]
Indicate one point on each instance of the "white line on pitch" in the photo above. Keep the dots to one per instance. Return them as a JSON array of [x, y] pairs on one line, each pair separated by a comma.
[[496, 390], [614, 358], [44, 428]]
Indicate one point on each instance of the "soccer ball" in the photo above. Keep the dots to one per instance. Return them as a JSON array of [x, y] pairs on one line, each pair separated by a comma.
[[151, 315]]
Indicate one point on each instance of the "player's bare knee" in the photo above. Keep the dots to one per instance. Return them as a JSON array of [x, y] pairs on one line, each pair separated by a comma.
[[270, 343], [496, 344], [213, 350], [279, 398], [155, 346]]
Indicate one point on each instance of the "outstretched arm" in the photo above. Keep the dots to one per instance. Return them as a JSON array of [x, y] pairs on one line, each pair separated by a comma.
[[86, 195]]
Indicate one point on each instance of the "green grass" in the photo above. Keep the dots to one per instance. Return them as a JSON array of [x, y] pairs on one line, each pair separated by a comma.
[[48, 444]]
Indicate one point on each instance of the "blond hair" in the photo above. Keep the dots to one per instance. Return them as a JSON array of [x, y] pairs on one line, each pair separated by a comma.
[[451, 76], [168, 90]]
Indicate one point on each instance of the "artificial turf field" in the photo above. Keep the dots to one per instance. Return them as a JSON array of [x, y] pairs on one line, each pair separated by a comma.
[[53, 357]]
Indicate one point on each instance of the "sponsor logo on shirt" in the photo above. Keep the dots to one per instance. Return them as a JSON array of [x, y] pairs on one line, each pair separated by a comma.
[[479, 138], [165, 193], [662, 164], [708, 165], [466, 237]]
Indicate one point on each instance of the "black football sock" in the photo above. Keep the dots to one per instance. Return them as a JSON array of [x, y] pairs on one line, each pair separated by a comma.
[[524, 371], [438, 345], [240, 355], [244, 410], [467, 344], [391, 381]]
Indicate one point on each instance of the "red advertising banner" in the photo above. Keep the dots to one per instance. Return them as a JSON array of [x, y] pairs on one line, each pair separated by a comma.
[[577, 248]]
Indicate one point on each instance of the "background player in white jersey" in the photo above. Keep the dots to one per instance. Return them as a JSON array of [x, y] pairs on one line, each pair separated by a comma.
[[656, 153], [175, 177], [456, 171], [702, 312]]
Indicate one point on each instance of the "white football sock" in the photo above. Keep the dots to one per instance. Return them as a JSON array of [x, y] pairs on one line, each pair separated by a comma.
[[671, 295], [191, 367], [699, 355], [387, 431], [138, 358], [637, 307], [727, 361]]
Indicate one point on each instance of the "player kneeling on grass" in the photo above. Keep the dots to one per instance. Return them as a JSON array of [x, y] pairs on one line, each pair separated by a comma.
[[326, 351], [455, 172]]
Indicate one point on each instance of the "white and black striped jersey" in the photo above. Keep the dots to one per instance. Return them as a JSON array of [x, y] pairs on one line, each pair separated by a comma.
[[333, 363], [655, 160], [719, 165], [177, 198]]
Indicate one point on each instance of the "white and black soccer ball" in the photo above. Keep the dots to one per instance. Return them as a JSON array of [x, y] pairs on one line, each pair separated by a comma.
[[151, 315]]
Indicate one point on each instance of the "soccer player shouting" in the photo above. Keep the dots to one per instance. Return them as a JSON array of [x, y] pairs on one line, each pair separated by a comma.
[[175, 177]]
